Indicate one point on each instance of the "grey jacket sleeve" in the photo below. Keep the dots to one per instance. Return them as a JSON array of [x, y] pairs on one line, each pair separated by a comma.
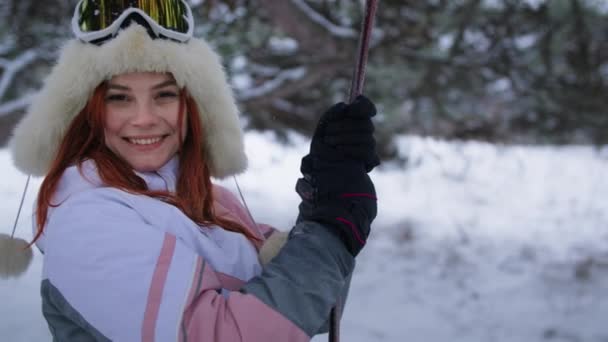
[[342, 300], [304, 281]]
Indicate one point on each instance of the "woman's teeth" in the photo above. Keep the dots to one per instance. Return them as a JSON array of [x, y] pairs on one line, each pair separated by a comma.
[[148, 141]]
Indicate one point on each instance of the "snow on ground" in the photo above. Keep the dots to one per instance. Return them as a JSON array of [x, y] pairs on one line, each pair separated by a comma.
[[473, 242]]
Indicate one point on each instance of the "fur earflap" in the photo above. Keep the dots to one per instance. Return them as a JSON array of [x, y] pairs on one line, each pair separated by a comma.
[[15, 256], [82, 67]]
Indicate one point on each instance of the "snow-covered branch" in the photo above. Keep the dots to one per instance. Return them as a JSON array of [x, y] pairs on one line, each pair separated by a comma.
[[6, 45], [339, 31], [15, 105], [273, 84], [313, 33], [289, 107], [12, 67], [263, 70]]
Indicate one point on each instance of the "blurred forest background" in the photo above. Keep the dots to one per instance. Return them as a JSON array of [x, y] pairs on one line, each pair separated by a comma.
[[507, 71]]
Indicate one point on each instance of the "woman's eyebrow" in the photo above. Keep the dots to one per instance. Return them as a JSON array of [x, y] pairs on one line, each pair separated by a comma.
[[118, 87], [164, 84], [158, 86]]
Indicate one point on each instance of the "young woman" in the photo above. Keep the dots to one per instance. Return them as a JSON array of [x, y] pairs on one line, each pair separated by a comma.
[[130, 127]]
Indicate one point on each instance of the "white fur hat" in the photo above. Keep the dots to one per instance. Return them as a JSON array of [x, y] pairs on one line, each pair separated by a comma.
[[82, 67]]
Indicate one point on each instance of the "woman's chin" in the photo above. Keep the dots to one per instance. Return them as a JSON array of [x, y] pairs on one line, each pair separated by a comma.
[[148, 164]]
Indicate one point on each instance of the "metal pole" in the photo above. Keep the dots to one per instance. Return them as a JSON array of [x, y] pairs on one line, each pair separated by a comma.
[[356, 89], [356, 86]]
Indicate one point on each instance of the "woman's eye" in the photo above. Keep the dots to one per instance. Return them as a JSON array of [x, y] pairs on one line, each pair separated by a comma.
[[116, 97], [167, 94]]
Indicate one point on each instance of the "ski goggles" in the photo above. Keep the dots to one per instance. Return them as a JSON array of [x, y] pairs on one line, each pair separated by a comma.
[[96, 21]]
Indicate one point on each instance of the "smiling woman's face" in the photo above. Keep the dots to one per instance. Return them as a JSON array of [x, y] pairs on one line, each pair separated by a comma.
[[141, 121]]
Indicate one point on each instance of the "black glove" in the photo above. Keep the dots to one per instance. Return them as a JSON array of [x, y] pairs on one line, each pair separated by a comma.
[[336, 189]]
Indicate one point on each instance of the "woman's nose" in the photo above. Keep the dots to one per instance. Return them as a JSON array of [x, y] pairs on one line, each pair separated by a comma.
[[144, 115]]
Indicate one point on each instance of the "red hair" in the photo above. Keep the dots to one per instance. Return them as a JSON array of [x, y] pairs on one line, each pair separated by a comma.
[[84, 140]]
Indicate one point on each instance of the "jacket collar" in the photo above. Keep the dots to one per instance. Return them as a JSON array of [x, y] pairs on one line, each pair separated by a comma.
[[73, 181], [164, 178]]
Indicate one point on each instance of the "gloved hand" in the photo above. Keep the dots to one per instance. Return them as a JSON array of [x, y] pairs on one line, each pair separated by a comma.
[[336, 189]]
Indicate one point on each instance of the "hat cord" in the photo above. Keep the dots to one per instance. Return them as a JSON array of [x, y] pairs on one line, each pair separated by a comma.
[[255, 224], [27, 183]]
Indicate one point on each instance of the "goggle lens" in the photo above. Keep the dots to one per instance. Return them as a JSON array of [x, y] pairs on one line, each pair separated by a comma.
[[96, 15]]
